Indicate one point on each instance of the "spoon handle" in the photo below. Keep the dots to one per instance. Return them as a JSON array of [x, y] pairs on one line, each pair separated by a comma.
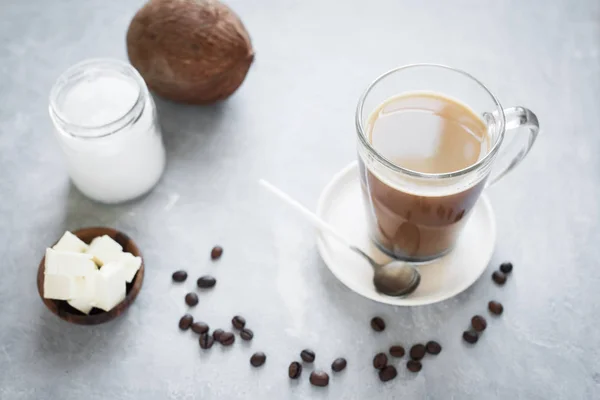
[[312, 217], [318, 222]]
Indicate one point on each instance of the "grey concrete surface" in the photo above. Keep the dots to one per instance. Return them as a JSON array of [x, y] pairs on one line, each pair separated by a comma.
[[292, 122]]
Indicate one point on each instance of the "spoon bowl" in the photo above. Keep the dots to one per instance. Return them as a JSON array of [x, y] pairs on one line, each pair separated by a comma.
[[396, 279]]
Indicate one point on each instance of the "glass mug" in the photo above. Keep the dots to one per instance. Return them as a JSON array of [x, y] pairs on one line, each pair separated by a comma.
[[416, 216]]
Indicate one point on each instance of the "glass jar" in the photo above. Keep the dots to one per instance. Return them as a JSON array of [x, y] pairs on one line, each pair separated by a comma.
[[105, 121]]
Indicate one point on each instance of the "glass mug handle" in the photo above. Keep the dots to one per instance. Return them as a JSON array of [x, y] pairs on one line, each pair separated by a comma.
[[519, 119]]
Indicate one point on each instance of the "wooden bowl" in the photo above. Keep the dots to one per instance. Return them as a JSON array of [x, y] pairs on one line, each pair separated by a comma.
[[96, 316]]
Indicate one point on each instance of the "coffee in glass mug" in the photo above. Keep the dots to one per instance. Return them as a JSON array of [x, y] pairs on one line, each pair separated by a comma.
[[428, 136]]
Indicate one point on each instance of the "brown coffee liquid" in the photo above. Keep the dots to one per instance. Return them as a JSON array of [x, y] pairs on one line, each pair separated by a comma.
[[428, 133]]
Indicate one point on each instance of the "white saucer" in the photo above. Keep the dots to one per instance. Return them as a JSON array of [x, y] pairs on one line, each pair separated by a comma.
[[341, 205]]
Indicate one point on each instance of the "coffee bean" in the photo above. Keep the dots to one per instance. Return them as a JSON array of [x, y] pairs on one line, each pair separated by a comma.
[[417, 352], [495, 307], [216, 252], [200, 327], [205, 282], [377, 324], [238, 322], [380, 361], [185, 322], [179, 276], [295, 370], [338, 364], [433, 347], [206, 341], [478, 323], [506, 267], [191, 299], [217, 334], [388, 373], [307, 355], [319, 378], [470, 337], [397, 351], [246, 334], [414, 366], [499, 277], [227, 338], [258, 359]]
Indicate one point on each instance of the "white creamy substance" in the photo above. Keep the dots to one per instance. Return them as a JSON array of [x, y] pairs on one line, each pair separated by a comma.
[[118, 166], [71, 272]]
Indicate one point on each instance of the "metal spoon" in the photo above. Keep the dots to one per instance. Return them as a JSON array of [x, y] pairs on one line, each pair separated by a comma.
[[396, 278]]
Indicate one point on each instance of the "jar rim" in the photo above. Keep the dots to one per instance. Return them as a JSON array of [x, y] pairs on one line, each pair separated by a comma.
[[87, 68]]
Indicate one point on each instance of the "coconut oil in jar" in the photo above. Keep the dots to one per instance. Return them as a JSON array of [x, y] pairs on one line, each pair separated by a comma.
[[105, 121]]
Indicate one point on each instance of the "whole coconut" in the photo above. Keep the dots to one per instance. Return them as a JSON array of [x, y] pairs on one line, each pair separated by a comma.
[[191, 51]]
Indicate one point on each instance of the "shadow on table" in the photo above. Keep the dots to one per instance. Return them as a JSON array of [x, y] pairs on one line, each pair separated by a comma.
[[349, 302], [81, 211], [182, 124], [67, 346]]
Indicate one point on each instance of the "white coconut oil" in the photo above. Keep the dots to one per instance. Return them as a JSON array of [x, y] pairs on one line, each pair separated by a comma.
[[105, 121]]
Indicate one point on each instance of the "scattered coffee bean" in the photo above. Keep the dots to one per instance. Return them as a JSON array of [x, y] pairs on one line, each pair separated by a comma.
[[217, 334], [295, 370], [478, 323], [417, 352], [191, 299], [216, 252], [506, 267], [200, 327], [185, 322], [495, 307], [307, 355], [380, 361], [377, 324], [179, 276], [258, 359], [206, 341], [205, 282], [470, 337], [246, 334], [338, 364], [227, 338], [414, 365], [499, 277], [319, 378], [388, 373], [433, 347], [238, 322], [397, 351]]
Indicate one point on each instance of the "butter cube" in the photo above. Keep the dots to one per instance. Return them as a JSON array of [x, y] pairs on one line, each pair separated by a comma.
[[85, 286], [127, 266], [59, 287], [70, 242], [51, 262], [104, 250], [83, 305], [110, 286], [67, 263], [131, 265], [85, 294], [114, 267]]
